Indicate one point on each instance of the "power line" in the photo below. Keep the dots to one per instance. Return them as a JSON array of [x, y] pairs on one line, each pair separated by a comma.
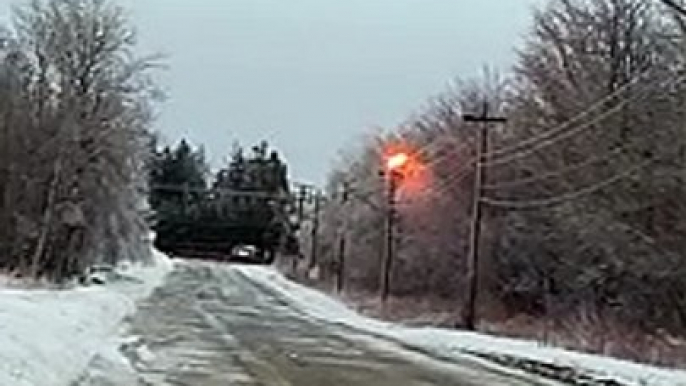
[[574, 131], [557, 173], [452, 180], [560, 129], [564, 126], [550, 141], [548, 137], [433, 142], [537, 203], [424, 150], [460, 149], [554, 140], [461, 173], [459, 176]]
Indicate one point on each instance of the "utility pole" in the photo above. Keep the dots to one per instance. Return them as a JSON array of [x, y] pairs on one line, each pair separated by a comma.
[[340, 274], [314, 245], [395, 171], [389, 242], [302, 196], [469, 309]]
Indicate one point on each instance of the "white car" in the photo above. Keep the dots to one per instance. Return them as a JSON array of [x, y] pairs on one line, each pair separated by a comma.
[[244, 253]]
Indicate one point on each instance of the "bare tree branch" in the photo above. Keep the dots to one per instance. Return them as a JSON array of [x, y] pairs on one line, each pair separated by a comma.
[[675, 6]]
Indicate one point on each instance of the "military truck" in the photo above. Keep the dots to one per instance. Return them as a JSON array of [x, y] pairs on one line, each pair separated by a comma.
[[247, 204]]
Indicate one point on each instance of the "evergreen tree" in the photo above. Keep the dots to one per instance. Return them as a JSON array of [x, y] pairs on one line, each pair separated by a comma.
[[177, 182], [177, 177], [247, 203]]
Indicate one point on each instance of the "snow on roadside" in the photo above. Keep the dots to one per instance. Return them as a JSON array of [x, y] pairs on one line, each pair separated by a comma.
[[48, 337], [447, 343]]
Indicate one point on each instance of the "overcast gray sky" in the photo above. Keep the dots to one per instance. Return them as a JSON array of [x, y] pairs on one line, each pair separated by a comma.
[[311, 75]]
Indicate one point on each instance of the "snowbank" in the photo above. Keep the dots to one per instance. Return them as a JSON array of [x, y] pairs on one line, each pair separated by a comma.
[[451, 343], [48, 337]]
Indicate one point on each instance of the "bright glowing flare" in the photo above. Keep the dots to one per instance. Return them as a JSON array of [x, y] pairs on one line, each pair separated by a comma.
[[397, 161]]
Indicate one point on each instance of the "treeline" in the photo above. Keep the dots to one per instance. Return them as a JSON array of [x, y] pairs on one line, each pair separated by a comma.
[[246, 202], [75, 107], [586, 184]]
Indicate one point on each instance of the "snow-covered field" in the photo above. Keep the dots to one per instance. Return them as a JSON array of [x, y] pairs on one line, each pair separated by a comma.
[[445, 343], [48, 337]]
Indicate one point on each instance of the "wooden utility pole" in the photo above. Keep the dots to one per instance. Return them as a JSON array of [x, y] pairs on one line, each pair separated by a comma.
[[314, 242], [302, 196], [389, 242], [300, 199], [343, 234], [469, 309]]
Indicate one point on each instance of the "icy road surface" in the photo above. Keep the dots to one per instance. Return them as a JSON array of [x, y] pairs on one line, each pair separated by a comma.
[[210, 325]]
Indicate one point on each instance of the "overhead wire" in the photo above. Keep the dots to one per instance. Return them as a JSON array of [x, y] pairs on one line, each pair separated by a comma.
[[547, 138], [571, 195], [560, 172], [560, 136], [446, 184], [566, 129], [532, 140], [432, 160], [578, 129], [552, 201], [460, 148], [571, 122], [562, 131]]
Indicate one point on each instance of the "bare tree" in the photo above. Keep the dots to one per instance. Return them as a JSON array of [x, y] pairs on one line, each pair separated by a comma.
[[84, 107]]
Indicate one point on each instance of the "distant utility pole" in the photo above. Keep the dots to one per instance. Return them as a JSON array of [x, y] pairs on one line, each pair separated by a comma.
[[304, 192], [342, 240], [469, 309], [302, 196], [314, 242]]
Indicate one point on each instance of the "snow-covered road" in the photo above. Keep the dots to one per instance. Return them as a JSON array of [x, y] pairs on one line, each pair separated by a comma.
[[213, 325]]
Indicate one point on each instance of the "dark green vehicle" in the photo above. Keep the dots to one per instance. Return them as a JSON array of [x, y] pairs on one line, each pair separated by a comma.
[[219, 227]]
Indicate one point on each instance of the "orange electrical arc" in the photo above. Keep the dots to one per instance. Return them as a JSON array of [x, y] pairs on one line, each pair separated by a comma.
[[397, 161]]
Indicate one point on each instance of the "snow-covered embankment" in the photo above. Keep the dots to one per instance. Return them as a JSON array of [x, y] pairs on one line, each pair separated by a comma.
[[48, 337]]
